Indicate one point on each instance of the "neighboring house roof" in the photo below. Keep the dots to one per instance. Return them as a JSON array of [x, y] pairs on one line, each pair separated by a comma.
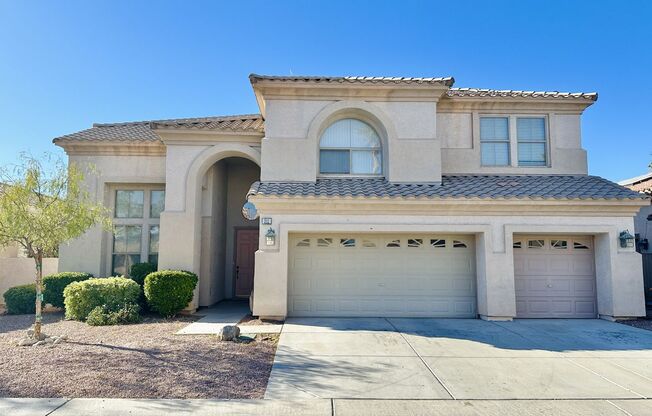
[[641, 183], [447, 81], [455, 186], [636, 179], [482, 93], [142, 131]]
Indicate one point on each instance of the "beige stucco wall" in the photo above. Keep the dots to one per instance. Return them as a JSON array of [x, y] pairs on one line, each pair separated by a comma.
[[11, 251], [411, 150], [22, 271], [89, 252], [619, 283], [459, 132]]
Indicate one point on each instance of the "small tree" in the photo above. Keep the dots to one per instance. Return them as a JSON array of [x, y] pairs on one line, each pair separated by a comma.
[[43, 206]]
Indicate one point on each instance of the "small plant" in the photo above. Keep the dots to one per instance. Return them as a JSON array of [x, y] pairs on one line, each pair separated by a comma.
[[169, 291], [123, 315], [21, 299], [81, 298], [54, 284]]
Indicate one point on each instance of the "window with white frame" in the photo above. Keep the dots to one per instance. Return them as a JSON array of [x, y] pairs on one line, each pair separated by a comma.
[[350, 147], [137, 213], [494, 141], [531, 136]]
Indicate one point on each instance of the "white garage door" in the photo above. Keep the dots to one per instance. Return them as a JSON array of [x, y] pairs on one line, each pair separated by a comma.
[[554, 277], [382, 275]]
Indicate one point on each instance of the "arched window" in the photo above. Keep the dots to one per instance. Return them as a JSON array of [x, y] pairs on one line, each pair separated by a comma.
[[350, 147]]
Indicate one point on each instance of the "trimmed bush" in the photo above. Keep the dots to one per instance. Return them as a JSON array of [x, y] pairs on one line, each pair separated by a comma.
[[80, 298], [54, 284], [169, 291], [21, 299], [103, 315], [139, 272]]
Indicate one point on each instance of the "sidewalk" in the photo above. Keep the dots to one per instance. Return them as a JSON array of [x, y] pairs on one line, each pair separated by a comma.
[[222, 314], [322, 407]]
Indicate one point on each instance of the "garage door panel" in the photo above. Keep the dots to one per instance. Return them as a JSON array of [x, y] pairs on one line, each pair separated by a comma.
[[555, 280], [371, 279]]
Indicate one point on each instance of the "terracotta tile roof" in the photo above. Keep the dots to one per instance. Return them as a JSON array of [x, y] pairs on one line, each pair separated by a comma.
[[142, 131], [536, 187], [447, 81], [484, 93], [247, 122]]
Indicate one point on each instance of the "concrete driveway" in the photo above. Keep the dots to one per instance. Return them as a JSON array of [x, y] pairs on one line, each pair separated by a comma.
[[380, 358]]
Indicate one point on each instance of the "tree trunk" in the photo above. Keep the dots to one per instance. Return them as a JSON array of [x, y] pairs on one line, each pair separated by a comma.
[[38, 258]]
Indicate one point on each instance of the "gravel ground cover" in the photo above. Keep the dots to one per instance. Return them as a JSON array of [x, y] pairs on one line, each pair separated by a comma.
[[145, 360], [638, 323]]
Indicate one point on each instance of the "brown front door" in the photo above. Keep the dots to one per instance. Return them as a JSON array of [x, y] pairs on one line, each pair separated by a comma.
[[246, 244]]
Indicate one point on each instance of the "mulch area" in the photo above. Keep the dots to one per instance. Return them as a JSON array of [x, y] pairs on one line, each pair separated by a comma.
[[638, 323], [145, 360]]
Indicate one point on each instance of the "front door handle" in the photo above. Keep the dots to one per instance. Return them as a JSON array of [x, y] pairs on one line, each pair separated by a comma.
[[237, 272]]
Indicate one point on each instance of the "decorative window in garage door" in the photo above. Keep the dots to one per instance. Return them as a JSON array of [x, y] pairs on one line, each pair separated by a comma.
[[438, 243], [415, 242], [536, 244], [347, 242], [459, 244], [581, 245], [559, 244], [304, 242], [393, 244], [324, 242]]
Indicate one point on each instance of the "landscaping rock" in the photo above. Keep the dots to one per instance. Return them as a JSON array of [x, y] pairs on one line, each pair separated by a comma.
[[27, 342], [228, 333]]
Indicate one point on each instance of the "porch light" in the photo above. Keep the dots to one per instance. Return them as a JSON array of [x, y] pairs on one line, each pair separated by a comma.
[[626, 239], [270, 237]]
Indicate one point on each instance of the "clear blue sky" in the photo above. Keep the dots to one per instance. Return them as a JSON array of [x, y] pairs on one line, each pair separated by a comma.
[[67, 64]]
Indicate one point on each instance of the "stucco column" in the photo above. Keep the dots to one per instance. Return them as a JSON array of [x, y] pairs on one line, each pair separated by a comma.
[[495, 277], [619, 279], [271, 276]]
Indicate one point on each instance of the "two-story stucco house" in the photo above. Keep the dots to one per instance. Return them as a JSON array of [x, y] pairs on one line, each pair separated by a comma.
[[376, 197]]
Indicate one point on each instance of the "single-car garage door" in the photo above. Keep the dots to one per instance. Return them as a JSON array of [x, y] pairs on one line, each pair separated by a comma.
[[554, 277], [382, 275]]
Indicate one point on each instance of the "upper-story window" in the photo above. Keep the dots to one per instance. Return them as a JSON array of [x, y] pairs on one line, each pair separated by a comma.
[[531, 134], [497, 136], [350, 147], [494, 141]]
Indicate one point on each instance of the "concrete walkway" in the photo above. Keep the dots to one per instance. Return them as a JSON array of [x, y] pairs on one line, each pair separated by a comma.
[[323, 407], [460, 359], [226, 313]]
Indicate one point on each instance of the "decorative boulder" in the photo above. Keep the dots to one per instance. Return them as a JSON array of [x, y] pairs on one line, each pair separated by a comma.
[[228, 333]]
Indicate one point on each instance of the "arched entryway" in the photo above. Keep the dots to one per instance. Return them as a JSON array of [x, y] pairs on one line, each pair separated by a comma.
[[205, 191], [228, 240]]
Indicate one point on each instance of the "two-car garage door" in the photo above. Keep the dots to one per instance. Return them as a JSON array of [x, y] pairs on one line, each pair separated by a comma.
[[382, 275]]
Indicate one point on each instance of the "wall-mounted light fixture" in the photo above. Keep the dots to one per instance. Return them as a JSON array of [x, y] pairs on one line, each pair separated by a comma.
[[270, 237], [626, 239]]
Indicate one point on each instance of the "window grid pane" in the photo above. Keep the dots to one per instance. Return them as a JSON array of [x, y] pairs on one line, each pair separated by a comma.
[[156, 204], [531, 136], [153, 239], [366, 162], [494, 141], [334, 161], [129, 204]]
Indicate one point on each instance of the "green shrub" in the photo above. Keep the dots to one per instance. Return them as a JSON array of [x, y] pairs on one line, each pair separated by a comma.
[[54, 284], [169, 291], [21, 299], [104, 315], [80, 298], [139, 272]]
